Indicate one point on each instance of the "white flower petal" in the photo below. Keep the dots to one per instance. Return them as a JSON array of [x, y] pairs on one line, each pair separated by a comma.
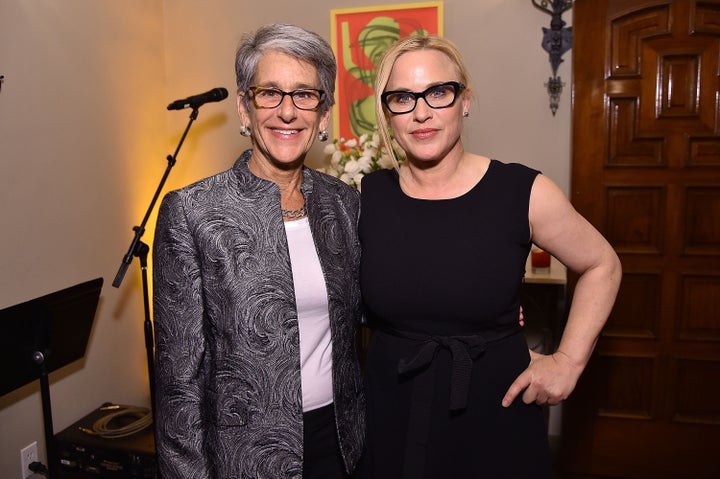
[[352, 167], [335, 158], [365, 164], [385, 162], [357, 178], [345, 178]]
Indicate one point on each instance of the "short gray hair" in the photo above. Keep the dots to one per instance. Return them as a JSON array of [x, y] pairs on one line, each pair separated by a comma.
[[291, 40]]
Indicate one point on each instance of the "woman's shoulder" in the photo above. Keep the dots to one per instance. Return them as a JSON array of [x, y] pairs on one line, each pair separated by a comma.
[[213, 188], [329, 182], [202, 187], [508, 179], [326, 189], [379, 177], [512, 168]]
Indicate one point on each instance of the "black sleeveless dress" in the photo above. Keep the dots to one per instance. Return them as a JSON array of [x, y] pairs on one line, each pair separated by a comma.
[[440, 281]]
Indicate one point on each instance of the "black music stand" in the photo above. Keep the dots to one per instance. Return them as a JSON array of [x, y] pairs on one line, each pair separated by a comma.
[[43, 335]]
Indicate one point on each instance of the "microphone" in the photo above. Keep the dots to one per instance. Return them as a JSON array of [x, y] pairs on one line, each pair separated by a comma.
[[195, 101]]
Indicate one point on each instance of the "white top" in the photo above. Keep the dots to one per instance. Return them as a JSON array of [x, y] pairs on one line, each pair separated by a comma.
[[313, 316]]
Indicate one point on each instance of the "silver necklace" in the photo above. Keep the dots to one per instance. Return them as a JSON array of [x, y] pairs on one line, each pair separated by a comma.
[[294, 214]]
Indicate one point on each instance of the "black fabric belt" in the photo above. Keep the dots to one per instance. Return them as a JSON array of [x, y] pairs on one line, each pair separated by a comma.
[[464, 350]]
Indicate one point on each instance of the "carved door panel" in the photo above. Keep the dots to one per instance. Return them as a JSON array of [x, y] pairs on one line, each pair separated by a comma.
[[646, 172]]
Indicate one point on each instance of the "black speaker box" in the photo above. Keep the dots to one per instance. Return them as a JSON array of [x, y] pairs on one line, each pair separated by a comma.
[[87, 456]]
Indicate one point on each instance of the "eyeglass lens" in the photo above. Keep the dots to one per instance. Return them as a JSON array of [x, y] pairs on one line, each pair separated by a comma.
[[304, 99], [437, 96]]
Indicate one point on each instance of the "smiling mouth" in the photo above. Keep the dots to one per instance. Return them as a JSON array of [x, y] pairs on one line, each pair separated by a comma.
[[285, 132]]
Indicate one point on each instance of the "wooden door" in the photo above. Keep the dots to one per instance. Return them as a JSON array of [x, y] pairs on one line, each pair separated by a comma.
[[646, 173]]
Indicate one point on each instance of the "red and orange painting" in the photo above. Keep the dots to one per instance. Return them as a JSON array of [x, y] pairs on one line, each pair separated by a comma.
[[360, 36]]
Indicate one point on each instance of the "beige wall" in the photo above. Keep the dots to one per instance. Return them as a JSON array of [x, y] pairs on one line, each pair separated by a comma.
[[84, 135]]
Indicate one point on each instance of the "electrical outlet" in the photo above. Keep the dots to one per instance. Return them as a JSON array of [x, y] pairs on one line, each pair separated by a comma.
[[28, 455]]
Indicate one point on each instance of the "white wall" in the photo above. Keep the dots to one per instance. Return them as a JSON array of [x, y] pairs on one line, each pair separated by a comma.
[[84, 135]]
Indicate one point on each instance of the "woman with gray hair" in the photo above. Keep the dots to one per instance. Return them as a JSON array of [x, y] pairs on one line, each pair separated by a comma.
[[256, 289]]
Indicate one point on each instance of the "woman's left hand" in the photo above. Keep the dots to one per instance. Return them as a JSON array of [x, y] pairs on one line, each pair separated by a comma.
[[548, 379]]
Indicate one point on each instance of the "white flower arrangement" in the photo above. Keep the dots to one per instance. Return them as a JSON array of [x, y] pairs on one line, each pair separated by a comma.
[[350, 160]]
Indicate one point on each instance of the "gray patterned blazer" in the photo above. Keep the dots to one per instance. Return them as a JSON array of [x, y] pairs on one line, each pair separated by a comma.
[[229, 403]]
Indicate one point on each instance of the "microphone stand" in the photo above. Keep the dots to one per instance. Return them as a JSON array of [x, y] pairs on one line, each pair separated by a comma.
[[51, 471], [141, 250]]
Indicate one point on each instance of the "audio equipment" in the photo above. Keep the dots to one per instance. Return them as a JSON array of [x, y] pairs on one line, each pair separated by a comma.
[[92, 456]]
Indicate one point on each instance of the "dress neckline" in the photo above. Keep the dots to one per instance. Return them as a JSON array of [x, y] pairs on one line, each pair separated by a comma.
[[396, 176]]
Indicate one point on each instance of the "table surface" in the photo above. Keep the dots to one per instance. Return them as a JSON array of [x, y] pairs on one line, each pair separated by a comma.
[[556, 275]]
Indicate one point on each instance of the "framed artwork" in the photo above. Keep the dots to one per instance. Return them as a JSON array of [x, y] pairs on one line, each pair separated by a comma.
[[360, 36]]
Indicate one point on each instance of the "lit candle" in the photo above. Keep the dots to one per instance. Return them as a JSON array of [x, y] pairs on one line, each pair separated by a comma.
[[540, 261]]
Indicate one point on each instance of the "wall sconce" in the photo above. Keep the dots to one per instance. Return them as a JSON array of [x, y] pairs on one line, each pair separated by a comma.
[[556, 40]]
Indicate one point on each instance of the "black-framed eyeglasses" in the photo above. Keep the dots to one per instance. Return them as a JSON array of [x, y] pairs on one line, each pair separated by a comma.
[[443, 95], [303, 98]]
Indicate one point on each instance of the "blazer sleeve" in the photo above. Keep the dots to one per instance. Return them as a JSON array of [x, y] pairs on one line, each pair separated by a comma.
[[180, 346]]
